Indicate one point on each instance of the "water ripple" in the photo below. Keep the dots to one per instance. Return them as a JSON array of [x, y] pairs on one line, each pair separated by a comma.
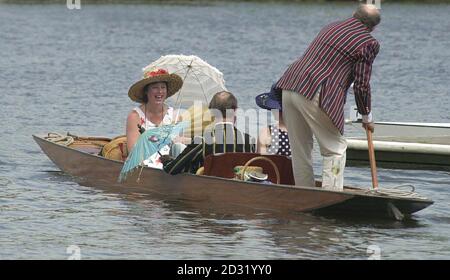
[[79, 71]]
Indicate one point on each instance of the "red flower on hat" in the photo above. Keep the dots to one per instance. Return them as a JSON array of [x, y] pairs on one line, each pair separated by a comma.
[[155, 73]]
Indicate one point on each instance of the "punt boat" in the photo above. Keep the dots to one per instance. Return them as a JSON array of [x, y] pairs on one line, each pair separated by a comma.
[[81, 159]]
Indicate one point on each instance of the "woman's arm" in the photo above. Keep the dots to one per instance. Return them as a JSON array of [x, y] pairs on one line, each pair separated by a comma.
[[264, 140], [132, 129]]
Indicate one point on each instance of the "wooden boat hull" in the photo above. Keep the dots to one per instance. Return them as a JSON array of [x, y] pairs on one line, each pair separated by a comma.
[[93, 170]]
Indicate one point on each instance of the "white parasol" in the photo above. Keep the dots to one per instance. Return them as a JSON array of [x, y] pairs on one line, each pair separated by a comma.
[[200, 80]]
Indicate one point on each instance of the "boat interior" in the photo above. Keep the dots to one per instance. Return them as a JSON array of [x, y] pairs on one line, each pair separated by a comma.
[[278, 168]]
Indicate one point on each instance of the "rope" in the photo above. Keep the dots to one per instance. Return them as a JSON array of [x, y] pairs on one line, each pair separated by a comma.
[[398, 191], [59, 139]]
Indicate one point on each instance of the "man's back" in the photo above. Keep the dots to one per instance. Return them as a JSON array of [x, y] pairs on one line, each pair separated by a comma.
[[338, 56], [220, 138]]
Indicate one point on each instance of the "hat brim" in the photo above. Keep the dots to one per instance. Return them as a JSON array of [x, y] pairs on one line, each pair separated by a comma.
[[265, 101], [174, 83]]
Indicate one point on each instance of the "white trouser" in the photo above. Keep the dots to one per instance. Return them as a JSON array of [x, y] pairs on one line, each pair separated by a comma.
[[303, 119]]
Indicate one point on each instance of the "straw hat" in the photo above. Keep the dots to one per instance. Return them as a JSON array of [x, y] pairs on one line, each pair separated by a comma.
[[174, 83]]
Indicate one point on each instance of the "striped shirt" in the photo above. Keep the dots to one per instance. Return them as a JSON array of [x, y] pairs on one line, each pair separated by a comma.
[[342, 53]]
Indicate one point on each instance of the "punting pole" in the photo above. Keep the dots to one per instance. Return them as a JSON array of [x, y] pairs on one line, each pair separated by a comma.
[[373, 165]]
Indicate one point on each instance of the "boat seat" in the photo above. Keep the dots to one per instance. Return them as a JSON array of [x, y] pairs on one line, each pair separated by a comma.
[[90, 147], [222, 165]]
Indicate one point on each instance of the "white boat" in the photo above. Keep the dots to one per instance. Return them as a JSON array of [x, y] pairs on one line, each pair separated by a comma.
[[404, 145], [412, 129]]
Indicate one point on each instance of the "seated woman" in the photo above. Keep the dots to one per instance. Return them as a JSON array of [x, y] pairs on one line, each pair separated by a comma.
[[151, 92], [273, 139]]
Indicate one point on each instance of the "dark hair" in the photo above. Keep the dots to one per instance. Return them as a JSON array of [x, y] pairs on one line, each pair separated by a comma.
[[223, 101], [368, 15], [144, 96], [145, 91]]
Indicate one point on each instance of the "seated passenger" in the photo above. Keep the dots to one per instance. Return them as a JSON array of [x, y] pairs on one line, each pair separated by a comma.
[[220, 137], [274, 138], [152, 91]]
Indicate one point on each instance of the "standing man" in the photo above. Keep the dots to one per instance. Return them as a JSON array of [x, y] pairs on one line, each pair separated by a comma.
[[314, 93]]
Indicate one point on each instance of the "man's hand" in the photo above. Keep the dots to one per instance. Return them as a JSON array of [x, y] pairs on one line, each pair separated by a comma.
[[367, 122], [370, 126], [165, 159]]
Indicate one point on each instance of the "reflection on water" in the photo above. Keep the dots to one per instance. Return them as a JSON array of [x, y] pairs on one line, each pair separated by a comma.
[[204, 231], [69, 70]]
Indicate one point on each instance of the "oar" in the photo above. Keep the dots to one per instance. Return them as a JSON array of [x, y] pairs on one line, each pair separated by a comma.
[[373, 165]]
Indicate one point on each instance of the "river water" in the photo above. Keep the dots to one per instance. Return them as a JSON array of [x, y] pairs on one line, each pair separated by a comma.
[[69, 70]]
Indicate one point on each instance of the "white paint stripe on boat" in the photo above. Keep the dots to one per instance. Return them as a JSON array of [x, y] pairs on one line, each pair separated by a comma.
[[443, 125], [402, 147]]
